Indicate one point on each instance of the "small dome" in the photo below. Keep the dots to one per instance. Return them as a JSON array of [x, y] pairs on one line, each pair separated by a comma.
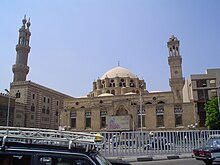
[[118, 72], [105, 94], [130, 93]]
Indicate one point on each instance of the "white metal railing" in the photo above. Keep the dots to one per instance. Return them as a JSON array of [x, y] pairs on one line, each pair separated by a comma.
[[149, 143]]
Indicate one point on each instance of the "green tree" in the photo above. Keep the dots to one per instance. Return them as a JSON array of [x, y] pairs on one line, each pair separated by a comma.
[[212, 114]]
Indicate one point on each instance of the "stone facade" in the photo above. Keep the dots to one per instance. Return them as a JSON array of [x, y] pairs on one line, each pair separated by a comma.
[[129, 105], [19, 115], [6, 103], [120, 95], [42, 105]]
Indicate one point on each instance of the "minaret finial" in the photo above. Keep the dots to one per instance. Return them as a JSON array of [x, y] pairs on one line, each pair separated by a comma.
[[118, 63], [29, 22], [24, 20]]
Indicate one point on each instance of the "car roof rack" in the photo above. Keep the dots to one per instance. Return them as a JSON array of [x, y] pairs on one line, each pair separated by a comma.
[[49, 136]]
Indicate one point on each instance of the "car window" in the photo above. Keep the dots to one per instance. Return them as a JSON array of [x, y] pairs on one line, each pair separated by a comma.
[[102, 160], [213, 142], [64, 160], [15, 159]]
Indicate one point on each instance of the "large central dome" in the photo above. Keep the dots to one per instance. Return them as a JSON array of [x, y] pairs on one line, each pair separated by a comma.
[[118, 72]]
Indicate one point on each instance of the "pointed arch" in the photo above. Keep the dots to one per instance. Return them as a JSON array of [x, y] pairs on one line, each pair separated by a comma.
[[161, 102], [121, 111]]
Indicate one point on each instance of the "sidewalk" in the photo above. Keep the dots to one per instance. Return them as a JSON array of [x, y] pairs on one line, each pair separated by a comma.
[[155, 157]]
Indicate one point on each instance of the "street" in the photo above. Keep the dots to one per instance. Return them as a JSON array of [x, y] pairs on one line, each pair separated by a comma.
[[189, 161]]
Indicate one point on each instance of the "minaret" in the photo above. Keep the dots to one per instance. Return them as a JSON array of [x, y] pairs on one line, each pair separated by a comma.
[[20, 68], [175, 61]]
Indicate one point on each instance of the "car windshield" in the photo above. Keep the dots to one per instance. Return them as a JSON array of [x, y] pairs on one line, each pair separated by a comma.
[[102, 160], [213, 143]]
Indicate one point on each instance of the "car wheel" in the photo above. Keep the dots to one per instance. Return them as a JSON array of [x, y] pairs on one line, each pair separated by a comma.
[[208, 162]]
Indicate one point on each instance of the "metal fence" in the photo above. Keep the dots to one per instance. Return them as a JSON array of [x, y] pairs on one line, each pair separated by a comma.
[[120, 144]]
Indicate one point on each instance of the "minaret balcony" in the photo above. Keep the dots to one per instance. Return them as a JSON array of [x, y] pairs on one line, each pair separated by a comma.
[[25, 48], [176, 81], [20, 68]]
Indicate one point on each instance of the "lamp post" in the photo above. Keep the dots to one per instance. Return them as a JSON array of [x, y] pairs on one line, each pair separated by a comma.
[[9, 101], [132, 115], [66, 122], [141, 109], [218, 99], [132, 108], [192, 126], [133, 111], [204, 99], [59, 119], [204, 96]]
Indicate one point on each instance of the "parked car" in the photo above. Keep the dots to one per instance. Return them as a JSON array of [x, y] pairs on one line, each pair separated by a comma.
[[116, 141], [210, 152], [158, 143], [72, 149]]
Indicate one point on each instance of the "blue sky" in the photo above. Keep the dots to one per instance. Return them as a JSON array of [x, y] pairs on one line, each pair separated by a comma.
[[74, 42]]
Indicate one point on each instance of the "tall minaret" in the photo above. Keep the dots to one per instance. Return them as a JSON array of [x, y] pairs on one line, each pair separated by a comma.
[[20, 68], [175, 61]]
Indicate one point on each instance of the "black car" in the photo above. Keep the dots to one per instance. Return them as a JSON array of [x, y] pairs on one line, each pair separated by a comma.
[[210, 152], [158, 144], [24, 146]]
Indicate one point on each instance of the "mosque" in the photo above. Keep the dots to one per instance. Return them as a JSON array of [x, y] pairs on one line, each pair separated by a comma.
[[119, 100]]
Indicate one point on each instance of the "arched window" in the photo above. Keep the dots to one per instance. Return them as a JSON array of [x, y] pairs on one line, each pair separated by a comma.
[[43, 110], [160, 116], [103, 115], [178, 111], [18, 94], [113, 92], [132, 83], [112, 83], [103, 84], [32, 107], [57, 113], [48, 110], [73, 119], [88, 119], [122, 83]]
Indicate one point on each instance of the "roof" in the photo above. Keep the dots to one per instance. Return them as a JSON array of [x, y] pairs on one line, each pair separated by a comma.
[[27, 146], [118, 72]]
